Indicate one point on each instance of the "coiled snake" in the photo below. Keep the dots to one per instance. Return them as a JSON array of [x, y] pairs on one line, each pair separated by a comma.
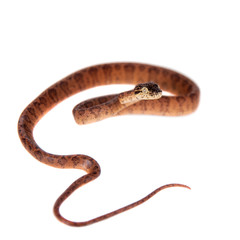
[[145, 98]]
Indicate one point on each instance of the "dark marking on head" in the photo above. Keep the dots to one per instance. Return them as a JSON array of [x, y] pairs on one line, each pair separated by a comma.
[[152, 87]]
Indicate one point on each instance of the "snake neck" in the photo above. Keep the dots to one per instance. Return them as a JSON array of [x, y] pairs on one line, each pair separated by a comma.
[[127, 97]]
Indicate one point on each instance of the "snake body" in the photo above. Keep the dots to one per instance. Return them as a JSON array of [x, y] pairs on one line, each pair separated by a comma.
[[145, 98]]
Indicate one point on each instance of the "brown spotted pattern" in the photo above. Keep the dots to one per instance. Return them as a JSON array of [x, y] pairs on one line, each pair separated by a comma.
[[184, 100]]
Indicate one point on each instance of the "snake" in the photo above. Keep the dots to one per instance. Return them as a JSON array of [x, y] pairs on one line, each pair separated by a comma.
[[145, 98]]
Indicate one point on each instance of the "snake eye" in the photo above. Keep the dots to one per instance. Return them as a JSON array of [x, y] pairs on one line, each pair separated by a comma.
[[144, 90]]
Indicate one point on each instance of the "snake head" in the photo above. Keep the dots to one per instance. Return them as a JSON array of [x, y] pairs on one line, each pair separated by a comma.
[[147, 91]]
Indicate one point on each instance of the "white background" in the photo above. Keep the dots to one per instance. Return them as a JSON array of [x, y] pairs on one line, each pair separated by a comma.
[[43, 41]]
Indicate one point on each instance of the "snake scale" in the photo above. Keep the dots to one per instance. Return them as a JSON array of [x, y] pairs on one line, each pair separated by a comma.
[[145, 98]]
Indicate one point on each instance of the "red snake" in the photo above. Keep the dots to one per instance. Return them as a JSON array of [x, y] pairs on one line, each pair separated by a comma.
[[145, 98]]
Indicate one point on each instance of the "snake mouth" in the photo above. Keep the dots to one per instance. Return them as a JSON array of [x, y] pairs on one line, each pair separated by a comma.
[[147, 91]]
